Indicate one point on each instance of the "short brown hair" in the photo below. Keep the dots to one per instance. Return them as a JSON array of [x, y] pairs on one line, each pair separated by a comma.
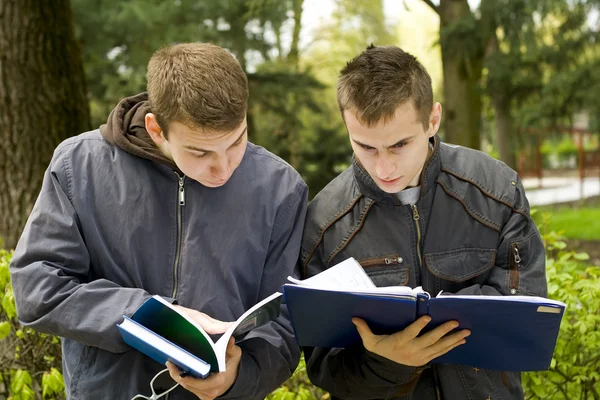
[[380, 79], [197, 84]]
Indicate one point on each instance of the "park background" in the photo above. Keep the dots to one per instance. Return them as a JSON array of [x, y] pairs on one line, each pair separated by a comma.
[[518, 79]]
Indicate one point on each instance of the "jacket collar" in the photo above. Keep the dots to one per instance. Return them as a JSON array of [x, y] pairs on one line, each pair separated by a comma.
[[369, 188]]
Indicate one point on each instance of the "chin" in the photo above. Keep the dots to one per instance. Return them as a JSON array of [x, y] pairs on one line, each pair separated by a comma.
[[392, 190], [211, 184]]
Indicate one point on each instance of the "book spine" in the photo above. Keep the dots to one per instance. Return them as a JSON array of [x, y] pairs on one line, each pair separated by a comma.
[[422, 305]]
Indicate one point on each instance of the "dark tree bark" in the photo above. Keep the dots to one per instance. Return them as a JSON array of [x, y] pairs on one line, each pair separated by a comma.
[[462, 96], [42, 101]]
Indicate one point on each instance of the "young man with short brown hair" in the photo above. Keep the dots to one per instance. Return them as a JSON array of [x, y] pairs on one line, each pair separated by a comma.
[[417, 212], [168, 198]]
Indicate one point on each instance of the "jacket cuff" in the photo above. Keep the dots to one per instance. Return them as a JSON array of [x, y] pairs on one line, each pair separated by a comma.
[[246, 381], [390, 370]]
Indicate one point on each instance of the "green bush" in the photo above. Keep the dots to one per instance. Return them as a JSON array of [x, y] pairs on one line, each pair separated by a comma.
[[30, 362], [575, 369]]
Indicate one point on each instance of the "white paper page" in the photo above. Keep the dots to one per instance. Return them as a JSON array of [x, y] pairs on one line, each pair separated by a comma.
[[347, 275], [221, 344], [524, 299]]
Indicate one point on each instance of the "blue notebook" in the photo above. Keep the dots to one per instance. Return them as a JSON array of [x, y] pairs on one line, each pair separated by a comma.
[[164, 332], [508, 333], [160, 349]]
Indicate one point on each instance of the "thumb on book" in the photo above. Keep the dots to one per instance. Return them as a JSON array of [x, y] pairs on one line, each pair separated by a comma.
[[363, 329]]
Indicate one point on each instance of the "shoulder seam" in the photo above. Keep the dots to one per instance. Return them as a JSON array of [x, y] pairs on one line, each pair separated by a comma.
[[479, 186], [328, 225]]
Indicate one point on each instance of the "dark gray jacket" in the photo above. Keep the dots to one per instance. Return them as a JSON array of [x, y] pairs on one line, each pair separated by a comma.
[[462, 237], [110, 229]]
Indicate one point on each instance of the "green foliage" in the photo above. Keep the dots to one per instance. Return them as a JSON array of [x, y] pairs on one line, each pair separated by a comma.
[[575, 223], [298, 387], [575, 368], [30, 362]]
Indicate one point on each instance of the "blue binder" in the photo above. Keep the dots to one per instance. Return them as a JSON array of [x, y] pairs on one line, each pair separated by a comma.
[[506, 334]]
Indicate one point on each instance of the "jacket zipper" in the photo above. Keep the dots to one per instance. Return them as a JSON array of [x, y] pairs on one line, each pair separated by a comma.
[[515, 266], [416, 218], [180, 204], [390, 260]]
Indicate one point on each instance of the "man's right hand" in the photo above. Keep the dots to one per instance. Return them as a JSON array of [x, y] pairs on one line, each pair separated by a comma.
[[406, 347]]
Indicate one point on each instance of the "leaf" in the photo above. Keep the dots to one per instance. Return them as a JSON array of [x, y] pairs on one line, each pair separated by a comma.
[[581, 256], [4, 329], [21, 379], [8, 304]]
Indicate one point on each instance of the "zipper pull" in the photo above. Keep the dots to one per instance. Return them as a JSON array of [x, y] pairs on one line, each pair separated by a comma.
[[389, 261], [416, 215], [181, 192], [515, 271], [517, 256]]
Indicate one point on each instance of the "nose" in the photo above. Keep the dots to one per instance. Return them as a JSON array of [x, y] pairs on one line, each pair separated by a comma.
[[384, 167], [220, 169]]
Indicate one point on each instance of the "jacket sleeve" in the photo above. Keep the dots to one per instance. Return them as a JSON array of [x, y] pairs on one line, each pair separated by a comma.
[[270, 354], [520, 266], [49, 272], [355, 373]]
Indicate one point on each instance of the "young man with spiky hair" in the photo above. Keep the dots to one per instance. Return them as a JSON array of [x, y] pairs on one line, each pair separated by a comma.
[[168, 198], [418, 212]]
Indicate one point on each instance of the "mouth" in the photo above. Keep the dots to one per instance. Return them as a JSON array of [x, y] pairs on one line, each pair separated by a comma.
[[390, 182]]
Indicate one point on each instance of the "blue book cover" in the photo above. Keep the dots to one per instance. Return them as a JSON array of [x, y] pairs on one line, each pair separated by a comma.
[[174, 330], [508, 333], [160, 349]]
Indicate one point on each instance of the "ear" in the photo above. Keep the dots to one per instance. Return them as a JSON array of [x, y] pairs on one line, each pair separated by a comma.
[[435, 119], [154, 129]]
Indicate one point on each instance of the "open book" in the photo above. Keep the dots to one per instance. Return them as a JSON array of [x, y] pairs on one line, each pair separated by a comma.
[[162, 332], [508, 333]]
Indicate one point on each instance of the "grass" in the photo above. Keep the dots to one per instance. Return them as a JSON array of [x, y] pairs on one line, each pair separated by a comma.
[[574, 223]]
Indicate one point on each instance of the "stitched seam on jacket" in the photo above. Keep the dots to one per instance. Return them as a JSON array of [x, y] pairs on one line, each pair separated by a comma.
[[327, 225], [482, 219], [351, 234], [464, 382], [68, 173], [479, 186]]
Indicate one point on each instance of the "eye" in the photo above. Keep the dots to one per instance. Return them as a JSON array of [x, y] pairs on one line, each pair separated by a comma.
[[400, 145], [198, 155], [364, 146]]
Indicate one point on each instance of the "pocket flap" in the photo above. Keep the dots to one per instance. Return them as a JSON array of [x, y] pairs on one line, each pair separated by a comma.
[[461, 264]]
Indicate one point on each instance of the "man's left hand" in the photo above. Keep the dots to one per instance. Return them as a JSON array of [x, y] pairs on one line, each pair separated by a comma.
[[217, 383]]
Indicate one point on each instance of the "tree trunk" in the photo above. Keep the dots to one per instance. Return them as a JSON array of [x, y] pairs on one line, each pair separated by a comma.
[[501, 101], [42, 100], [293, 54], [504, 128], [462, 97]]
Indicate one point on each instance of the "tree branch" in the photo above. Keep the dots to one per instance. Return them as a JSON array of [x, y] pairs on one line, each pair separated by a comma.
[[432, 6]]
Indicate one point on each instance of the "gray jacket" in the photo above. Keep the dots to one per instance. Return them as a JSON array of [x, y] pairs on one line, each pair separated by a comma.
[[462, 236], [110, 229]]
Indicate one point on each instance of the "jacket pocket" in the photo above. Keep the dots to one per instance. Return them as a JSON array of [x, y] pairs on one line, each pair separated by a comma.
[[386, 270], [461, 267]]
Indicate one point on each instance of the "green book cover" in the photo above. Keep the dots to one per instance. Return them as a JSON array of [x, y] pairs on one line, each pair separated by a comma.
[[163, 318]]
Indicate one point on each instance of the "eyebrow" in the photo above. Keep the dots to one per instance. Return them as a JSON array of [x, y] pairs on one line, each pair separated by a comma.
[[385, 147], [188, 147]]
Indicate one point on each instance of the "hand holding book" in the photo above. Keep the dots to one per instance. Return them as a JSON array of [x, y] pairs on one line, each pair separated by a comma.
[[406, 347], [216, 384]]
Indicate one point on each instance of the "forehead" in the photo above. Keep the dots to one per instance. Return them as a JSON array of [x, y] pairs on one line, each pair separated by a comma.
[[404, 123], [195, 136]]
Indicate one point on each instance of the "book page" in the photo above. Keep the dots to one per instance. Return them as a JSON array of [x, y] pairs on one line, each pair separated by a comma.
[[522, 299], [259, 314], [347, 275]]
